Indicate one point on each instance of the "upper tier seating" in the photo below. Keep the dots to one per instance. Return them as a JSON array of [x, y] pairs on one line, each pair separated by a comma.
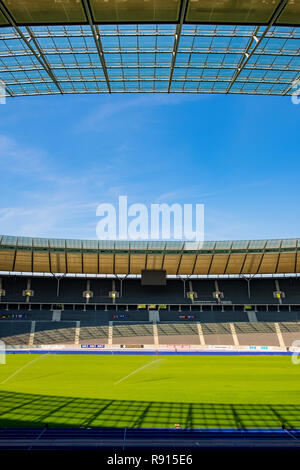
[[133, 293]]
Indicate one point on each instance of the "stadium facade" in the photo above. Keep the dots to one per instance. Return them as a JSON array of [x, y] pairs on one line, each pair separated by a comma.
[[42, 255]]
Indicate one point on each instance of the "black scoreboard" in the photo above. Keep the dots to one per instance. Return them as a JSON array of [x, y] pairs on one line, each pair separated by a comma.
[[154, 277]]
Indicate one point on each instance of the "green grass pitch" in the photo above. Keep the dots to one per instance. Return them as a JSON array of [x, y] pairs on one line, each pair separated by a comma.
[[150, 391]]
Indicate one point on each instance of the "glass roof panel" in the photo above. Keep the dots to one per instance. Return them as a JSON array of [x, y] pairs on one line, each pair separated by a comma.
[[114, 11], [230, 11], [289, 243], [46, 11], [224, 245], [257, 244], [174, 245], [239, 244], [273, 244], [156, 245], [122, 245], [57, 243], [73, 243], [8, 240], [138, 58], [3, 20], [138, 245], [24, 241], [143, 244], [41, 242], [106, 244], [207, 245], [193, 246], [92, 244], [222, 12], [291, 13]]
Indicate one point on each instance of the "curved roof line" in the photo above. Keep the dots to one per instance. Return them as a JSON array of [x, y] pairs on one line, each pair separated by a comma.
[[241, 257], [7, 241]]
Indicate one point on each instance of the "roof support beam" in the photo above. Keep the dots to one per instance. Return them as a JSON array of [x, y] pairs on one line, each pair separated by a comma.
[[184, 4], [6, 89], [295, 84], [14, 260], [261, 261], [97, 39], [38, 55], [247, 56], [278, 259], [41, 55]]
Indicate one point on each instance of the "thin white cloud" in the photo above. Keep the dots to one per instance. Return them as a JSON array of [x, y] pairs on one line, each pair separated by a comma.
[[19, 159], [103, 114]]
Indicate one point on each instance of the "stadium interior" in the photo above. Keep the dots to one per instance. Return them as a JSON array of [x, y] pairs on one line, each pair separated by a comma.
[[257, 309], [224, 298]]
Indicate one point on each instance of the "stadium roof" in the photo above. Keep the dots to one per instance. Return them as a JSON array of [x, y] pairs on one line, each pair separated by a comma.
[[23, 254], [191, 46]]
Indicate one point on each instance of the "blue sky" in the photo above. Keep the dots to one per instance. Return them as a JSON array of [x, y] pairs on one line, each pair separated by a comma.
[[63, 155]]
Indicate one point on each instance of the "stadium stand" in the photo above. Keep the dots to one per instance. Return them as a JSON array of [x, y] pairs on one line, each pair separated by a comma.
[[236, 292], [290, 332], [215, 317], [217, 333], [93, 333], [70, 292], [291, 287], [262, 293], [25, 314], [256, 334], [244, 309], [38, 285], [176, 333], [89, 331], [278, 316], [133, 334], [134, 292], [204, 290], [54, 332], [15, 332]]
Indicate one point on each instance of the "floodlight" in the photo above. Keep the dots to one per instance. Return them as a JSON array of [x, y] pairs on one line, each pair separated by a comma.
[[278, 294], [28, 293], [88, 294]]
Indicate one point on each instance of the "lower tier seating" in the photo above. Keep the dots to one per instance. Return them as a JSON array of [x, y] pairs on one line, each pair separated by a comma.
[[26, 333]]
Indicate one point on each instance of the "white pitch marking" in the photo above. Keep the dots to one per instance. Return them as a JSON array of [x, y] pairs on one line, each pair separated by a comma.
[[22, 368], [136, 371]]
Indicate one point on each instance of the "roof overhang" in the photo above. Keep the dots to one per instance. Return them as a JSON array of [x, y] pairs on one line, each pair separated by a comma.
[[52, 12], [145, 46], [41, 255]]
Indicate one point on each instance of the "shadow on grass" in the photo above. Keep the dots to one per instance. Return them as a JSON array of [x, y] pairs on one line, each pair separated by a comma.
[[20, 409]]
